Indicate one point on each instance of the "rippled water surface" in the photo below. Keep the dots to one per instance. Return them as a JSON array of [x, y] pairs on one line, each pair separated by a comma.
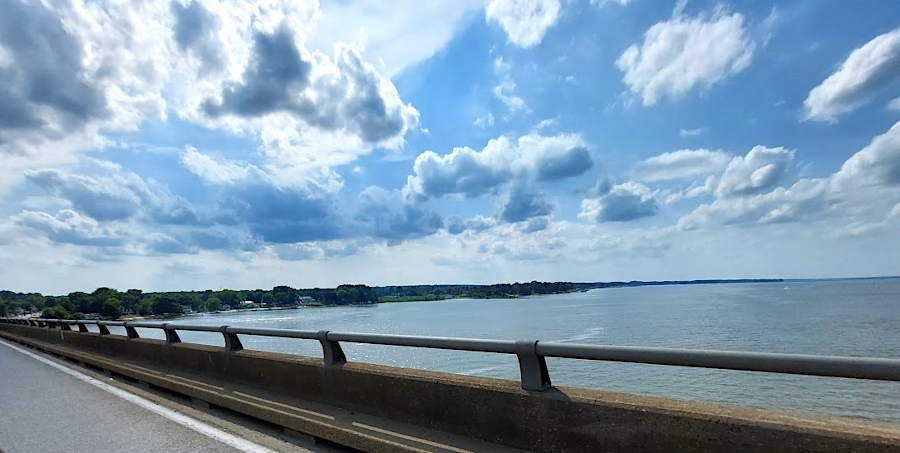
[[851, 317]]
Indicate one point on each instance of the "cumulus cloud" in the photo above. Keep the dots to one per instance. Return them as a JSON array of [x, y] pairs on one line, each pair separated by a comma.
[[620, 203], [82, 70], [213, 171], [759, 171], [876, 164], [70, 227], [472, 173], [683, 52], [864, 73], [536, 224], [780, 205], [345, 94], [114, 197], [47, 89], [681, 164], [524, 21], [282, 214], [751, 190], [522, 203], [385, 215], [195, 32]]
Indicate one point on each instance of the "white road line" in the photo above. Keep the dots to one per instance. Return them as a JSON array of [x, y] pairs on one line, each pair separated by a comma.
[[183, 420]]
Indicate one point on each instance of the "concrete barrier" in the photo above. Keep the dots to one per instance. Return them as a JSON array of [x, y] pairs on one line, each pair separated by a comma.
[[494, 410]]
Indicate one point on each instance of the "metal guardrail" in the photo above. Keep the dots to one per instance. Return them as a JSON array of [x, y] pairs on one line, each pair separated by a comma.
[[530, 353]]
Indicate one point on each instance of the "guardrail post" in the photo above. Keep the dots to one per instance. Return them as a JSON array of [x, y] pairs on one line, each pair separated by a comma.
[[82, 327], [33, 323], [332, 352], [132, 333], [232, 342], [103, 329], [171, 334], [64, 326], [41, 323], [532, 366]]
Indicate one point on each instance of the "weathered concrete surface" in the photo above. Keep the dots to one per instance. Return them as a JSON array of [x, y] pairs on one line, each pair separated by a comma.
[[497, 411]]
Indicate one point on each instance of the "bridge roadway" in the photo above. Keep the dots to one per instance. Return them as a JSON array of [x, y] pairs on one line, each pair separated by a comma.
[[47, 405]]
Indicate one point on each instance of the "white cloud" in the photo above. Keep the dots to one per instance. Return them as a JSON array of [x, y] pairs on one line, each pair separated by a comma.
[[505, 92], [115, 65], [692, 132], [859, 193], [70, 227], [866, 70], [876, 164], [486, 120], [472, 173], [894, 104], [681, 164], [759, 171], [213, 171], [682, 52], [621, 203], [524, 21], [796, 203]]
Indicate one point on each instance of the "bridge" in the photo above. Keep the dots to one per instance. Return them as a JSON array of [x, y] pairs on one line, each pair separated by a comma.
[[335, 403]]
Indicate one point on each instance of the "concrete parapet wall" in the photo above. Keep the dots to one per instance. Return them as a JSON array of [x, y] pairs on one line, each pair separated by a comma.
[[495, 410]]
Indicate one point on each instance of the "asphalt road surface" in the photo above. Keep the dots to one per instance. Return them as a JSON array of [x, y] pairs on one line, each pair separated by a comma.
[[48, 406]]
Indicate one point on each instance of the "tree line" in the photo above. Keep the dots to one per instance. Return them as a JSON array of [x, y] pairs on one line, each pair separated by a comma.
[[111, 303]]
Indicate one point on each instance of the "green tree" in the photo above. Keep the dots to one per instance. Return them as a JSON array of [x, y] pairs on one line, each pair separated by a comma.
[[112, 308], [56, 312], [213, 303], [161, 304], [4, 309], [229, 297]]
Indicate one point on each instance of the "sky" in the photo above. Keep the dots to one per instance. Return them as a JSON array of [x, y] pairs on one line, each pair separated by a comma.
[[193, 144]]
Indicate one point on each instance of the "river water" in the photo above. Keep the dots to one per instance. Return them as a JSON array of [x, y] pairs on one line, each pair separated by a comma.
[[849, 317]]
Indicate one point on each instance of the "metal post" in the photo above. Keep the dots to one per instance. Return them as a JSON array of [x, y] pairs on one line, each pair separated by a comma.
[[82, 327], [64, 326], [171, 335], [32, 323], [232, 342], [103, 329], [132, 333], [41, 323], [532, 366], [332, 352]]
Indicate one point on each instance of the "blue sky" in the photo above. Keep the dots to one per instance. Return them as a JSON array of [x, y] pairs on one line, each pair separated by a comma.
[[193, 145]]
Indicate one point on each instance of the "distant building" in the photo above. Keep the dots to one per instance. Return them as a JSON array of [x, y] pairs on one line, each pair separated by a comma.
[[226, 307], [128, 311], [92, 316], [248, 304], [187, 309]]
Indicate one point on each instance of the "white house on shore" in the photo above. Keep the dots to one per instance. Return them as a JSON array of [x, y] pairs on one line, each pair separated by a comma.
[[249, 304]]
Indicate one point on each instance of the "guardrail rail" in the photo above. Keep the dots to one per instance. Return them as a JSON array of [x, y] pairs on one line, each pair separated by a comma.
[[531, 354]]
